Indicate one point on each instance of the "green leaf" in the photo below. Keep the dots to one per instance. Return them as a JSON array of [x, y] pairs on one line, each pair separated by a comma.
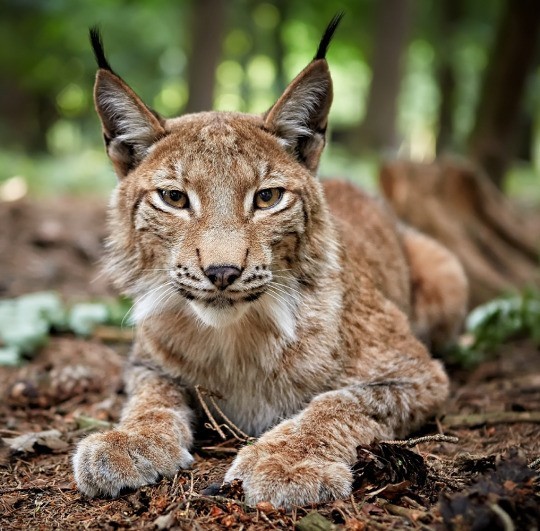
[[10, 356], [84, 317], [25, 322]]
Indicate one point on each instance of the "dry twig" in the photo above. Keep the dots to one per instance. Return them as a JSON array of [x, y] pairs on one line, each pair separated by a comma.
[[113, 334], [412, 514], [229, 425], [240, 435], [495, 417], [220, 449], [221, 500], [438, 437], [211, 418]]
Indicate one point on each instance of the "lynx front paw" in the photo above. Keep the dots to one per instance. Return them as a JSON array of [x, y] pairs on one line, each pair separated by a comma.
[[105, 463], [286, 480]]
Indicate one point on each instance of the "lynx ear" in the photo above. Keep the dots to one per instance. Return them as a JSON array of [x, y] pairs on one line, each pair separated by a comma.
[[299, 118], [129, 126]]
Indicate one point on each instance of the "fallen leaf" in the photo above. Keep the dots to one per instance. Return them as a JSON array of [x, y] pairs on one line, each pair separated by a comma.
[[352, 524], [265, 507], [159, 503], [509, 484], [30, 442], [215, 511], [315, 521], [87, 423], [509, 489], [392, 490], [165, 521], [228, 521]]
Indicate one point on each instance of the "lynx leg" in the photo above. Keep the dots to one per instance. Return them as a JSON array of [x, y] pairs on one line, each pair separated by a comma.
[[439, 290], [151, 440], [307, 459]]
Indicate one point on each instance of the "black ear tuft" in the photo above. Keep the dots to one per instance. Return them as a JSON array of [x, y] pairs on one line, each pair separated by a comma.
[[97, 46], [327, 37]]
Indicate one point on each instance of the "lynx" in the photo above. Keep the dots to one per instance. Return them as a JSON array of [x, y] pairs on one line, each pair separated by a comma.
[[305, 306]]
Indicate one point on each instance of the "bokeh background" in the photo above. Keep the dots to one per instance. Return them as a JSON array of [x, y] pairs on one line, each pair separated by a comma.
[[413, 79]]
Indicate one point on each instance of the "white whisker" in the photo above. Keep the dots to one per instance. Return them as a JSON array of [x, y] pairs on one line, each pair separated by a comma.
[[168, 291], [293, 294], [287, 287], [139, 299], [148, 302], [281, 298], [98, 276]]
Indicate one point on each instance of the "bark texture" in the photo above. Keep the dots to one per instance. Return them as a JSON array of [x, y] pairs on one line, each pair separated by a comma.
[[393, 21], [493, 140], [208, 26], [459, 206]]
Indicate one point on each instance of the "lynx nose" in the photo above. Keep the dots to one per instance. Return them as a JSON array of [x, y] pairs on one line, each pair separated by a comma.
[[222, 276]]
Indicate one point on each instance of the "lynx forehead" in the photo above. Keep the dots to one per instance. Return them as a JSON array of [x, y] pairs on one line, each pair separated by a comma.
[[300, 305]]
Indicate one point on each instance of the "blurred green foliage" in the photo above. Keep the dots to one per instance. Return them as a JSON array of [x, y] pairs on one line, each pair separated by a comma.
[[498, 321], [50, 136], [27, 322]]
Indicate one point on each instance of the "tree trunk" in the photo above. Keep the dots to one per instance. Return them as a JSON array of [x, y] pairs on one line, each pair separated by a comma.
[[460, 207], [450, 14], [206, 38], [26, 117], [279, 47], [393, 21], [493, 139]]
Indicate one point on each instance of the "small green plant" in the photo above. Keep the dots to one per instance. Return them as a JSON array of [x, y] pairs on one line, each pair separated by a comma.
[[491, 325], [27, 322]]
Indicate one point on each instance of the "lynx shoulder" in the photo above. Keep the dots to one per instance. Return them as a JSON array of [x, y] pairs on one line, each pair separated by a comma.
[[305, 306]]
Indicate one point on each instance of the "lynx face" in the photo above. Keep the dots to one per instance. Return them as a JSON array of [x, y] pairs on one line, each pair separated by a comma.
[[215, 211], [218, 213]]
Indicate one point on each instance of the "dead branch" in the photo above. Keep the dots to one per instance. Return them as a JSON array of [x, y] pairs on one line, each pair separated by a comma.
[[113, 334], [31, 488], [496, 417], [222, 500], [411, 514]]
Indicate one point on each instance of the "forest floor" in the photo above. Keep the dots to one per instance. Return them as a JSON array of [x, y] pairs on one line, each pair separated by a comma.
[[485, 479]]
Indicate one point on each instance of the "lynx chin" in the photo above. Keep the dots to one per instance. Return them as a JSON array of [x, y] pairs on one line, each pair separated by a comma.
[[303, 304]]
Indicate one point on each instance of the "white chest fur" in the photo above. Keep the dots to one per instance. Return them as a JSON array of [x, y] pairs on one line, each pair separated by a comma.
[[262, 362]]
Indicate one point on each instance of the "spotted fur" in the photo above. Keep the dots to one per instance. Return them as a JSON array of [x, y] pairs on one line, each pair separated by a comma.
[[312, 348]]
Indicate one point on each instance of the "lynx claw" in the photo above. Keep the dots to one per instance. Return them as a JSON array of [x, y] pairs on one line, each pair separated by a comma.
[[287, 482], [106, 463]]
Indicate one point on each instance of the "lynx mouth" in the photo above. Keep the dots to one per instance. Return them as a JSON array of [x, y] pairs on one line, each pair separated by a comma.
[[219, 314], [220, 309], [226, 299]]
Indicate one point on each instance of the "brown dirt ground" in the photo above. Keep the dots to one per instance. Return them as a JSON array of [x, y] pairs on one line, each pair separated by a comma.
[[483, 481]]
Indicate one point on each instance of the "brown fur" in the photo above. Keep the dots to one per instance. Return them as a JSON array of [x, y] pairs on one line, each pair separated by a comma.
[[311, 348]]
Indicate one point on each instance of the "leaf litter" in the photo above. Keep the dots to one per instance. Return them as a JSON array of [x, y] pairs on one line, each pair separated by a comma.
[[486, 480]]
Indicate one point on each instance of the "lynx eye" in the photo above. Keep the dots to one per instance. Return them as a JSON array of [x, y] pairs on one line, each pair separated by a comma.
[[174, 198], [268, 197]]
